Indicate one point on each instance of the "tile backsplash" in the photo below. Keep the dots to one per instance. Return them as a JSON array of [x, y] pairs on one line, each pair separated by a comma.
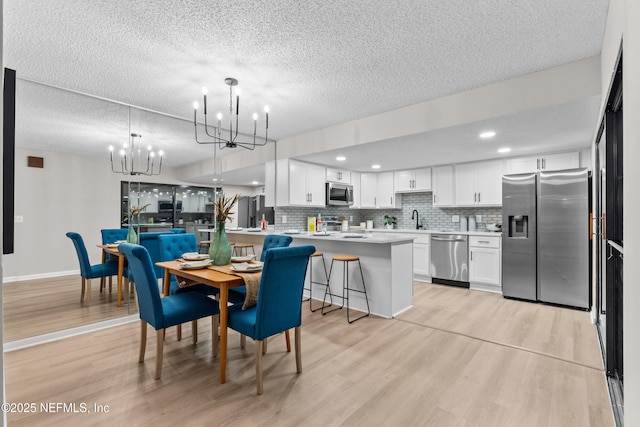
[[430, 217]]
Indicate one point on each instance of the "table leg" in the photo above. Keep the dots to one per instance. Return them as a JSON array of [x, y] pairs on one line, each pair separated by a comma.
[[166, 283], [120, 274], [224, 298]]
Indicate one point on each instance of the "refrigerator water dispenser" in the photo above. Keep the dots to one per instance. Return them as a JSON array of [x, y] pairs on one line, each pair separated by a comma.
[[519, 226]]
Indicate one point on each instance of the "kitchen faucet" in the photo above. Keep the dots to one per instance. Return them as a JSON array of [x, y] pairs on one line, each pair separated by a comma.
[[415, 213]]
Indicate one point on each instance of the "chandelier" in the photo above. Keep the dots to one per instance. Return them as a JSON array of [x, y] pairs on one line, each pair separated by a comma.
[[133, 161], [230, 139]]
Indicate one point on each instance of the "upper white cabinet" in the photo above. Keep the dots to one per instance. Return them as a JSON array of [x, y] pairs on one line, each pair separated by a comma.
[[338, 175], [442, 184], [413, 180], [376, 191], [295, 183], [355, 182], [548, 162], [306, 184], [478, 184]]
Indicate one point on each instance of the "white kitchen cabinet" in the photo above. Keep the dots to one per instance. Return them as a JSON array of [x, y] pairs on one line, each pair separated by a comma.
[[485, 267], [549, 162], [413, 180], [355, 182], [376, 191], [421, 257], [270, 183], [478, 184], [338, 175], [295, 184], [442, 184]]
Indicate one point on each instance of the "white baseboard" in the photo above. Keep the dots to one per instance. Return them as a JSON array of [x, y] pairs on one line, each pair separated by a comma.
[[39, 276], [66, 333]]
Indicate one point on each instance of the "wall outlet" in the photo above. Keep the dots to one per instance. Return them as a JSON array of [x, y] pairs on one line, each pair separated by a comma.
[[18, 218], [284, 219], [455, 218]]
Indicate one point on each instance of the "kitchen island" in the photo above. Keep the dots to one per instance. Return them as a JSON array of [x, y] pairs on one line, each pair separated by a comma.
[[387, 266]]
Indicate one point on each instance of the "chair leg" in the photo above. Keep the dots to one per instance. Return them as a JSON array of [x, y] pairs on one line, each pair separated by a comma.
[[87, 299], [264, 345], [143, 340], [110, 283], [179, 332], [259, 345], [159, 349], [298, 350], [287, 339], [194, 331], [243, 341], [84, 285], [214, 335]]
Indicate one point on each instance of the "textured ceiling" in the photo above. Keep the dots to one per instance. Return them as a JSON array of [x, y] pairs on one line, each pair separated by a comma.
[[316, 63]]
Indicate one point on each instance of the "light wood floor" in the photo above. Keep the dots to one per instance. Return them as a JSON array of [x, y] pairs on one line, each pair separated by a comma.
[[458, 358], [36, 307]]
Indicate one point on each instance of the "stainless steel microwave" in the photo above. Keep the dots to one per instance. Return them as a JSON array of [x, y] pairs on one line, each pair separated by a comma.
[[339, 194]]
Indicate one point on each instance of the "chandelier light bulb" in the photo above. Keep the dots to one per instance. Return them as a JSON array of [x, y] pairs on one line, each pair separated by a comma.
[[204, 90], [111, 148], [152, 154], [266, 108], [122, 152], [195, 105], [219, 116], [255, 116], [161, 153]]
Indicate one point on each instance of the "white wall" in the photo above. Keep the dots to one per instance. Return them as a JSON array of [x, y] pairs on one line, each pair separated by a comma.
[[71, 193]]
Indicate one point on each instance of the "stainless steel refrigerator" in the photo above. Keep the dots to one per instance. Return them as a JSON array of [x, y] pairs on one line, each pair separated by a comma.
[[545, 237], [250, 210]]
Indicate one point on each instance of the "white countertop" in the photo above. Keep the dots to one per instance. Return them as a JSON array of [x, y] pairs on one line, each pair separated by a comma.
[[334, 236], [420, 231]]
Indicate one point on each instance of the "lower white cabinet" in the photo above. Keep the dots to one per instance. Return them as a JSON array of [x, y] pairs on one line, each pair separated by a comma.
[[485, 268], [421, 257]]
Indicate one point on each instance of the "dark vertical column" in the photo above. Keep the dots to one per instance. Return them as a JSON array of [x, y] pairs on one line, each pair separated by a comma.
[[8, 160]]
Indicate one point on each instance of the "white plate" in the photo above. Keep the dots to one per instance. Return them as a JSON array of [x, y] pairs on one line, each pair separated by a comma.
[[234, 229], [194, 256], [195, 265], [246, 267], [243, 258], [321, 233], [253, 230], [353, 235], [293, 232]]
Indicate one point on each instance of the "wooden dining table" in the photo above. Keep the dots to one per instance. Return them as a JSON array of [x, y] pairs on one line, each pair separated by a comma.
[[112, 250], [213, 278]]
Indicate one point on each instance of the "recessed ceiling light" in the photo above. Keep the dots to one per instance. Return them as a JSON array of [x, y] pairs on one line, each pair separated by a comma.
[[487, 134], [254, 182], [376, 166], [341, 158], [504, 150]]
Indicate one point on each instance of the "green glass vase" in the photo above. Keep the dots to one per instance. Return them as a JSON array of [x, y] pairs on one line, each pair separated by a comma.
[[220, 249], [132, 236]]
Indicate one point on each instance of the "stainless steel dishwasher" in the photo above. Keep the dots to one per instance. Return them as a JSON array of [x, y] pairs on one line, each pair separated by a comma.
[[450, 259]]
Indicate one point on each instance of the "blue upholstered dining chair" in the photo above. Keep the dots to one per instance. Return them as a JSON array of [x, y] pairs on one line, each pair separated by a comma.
[[171, 310], [110, 235], [88, 271], [172, 246], [237, 295], [278, 307]]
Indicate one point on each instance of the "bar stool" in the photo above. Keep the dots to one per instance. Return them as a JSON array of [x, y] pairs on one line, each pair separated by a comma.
[[203, 246], [311, 281], [346, 259], [242, 249]]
